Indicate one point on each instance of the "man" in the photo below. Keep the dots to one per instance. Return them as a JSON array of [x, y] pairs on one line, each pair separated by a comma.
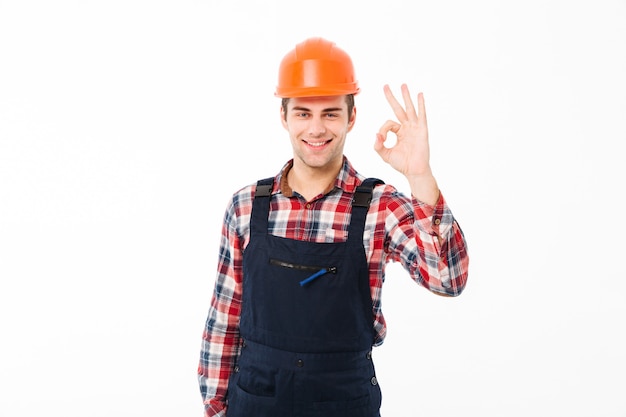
[[296, 306]]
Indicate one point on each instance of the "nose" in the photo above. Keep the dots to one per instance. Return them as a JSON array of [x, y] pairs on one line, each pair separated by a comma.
[[316, 127]]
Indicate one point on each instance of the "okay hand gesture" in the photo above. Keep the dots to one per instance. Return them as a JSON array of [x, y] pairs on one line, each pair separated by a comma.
[[410, 155]]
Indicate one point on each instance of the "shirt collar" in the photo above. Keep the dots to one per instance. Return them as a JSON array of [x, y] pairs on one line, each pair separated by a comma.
[[347, 179]]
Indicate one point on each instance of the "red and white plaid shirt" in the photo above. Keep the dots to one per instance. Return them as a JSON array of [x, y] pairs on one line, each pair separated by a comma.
[[425, 239]]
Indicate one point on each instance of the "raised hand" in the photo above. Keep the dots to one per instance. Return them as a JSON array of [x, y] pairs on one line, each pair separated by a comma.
[[410, 155]]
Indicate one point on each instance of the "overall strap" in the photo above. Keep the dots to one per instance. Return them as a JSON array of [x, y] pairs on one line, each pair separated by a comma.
[[261, 206], [360, 205]]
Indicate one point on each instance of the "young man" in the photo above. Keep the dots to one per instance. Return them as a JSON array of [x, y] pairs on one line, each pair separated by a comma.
[[296, 306]]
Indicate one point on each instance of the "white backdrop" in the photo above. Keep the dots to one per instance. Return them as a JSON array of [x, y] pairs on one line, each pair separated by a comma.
[[126, 125]]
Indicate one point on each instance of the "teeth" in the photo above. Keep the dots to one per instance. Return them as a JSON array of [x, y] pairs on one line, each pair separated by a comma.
[[317, 144]]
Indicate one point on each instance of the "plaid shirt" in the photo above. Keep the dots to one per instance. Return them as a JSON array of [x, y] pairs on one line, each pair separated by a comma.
[[425, 239]]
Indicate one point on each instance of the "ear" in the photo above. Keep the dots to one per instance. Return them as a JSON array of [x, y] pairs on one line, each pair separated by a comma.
[[352, 119], [283, 118]]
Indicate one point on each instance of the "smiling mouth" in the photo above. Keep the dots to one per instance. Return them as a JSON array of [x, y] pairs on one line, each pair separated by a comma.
[[317, 144]]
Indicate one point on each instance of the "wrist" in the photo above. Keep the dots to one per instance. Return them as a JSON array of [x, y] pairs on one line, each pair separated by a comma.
[[424, 188]]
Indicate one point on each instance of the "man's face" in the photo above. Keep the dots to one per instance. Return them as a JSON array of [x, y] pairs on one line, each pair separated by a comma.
[[317, 128]]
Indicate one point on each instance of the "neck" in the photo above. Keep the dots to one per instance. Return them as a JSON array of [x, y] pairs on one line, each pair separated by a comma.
[[310, 182]]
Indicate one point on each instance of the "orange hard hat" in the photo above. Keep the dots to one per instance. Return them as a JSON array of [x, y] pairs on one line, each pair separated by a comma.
[[316, 67]]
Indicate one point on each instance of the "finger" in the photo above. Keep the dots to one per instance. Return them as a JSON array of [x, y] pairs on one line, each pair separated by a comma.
[[381, 138], [380, 148], [389, 126], [396, 107], [421, 107], [408, 103]]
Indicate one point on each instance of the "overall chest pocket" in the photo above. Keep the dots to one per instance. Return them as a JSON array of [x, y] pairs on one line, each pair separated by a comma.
[[309, 272]]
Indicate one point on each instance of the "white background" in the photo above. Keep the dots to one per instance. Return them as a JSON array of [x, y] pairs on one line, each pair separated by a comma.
[[126, 125]]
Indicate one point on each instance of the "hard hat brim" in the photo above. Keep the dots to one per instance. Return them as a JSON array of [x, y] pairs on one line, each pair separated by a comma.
[[316, 91]]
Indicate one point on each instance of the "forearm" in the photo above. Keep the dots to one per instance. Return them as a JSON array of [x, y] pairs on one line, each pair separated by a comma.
[[444, 271], [427, 240], [454, 260], [424, 188], [219, 352], [443, 261]]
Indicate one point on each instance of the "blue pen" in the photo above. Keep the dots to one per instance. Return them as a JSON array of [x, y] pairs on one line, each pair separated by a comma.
[[318, 274]]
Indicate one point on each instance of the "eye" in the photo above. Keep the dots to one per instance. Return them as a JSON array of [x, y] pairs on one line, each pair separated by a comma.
[[332, 115]]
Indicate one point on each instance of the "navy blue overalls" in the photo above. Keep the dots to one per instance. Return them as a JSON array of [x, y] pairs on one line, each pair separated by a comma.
[[306, 323]]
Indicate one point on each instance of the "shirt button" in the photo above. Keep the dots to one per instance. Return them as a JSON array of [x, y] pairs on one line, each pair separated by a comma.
[[308, 205], [374, 381], [437, 221], [300, 363]]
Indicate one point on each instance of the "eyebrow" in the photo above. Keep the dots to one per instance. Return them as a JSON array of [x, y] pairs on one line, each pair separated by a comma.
[[328, 110]]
